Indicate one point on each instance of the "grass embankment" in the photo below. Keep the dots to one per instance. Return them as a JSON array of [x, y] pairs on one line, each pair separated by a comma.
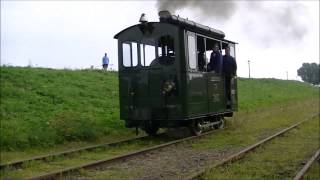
[[259, 93], [45, 107]]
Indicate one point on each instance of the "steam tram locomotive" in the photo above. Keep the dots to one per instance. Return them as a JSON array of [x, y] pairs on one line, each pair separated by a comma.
[[161, 83]]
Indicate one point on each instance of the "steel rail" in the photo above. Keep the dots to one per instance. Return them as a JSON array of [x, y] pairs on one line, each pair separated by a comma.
[[69, 152], [248, 149], [306, 167], [95, 164]]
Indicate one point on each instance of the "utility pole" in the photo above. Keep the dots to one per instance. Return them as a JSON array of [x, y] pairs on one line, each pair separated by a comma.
[[249, 67], [287, 75]]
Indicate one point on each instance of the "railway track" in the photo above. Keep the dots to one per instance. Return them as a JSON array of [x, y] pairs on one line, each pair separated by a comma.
[[18, 163], [306, 167], [108, 161], [245, 151]]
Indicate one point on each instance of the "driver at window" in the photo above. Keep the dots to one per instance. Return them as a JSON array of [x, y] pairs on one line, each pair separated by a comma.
[[201, 60], [215, 63]]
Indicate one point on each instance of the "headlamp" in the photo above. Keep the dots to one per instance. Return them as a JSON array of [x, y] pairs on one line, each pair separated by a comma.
[[168, 86]]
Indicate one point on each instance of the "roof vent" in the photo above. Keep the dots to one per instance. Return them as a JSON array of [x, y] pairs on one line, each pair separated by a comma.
[[143, 18]]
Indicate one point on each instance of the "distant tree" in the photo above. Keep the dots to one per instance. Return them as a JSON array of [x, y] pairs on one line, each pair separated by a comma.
[[309, 72]]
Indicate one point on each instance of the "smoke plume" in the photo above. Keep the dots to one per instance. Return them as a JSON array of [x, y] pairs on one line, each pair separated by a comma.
[[219, 9], [263, 22]]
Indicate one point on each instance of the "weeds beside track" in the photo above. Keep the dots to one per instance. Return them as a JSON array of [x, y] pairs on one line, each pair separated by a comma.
[[306, 167], [247, 150]]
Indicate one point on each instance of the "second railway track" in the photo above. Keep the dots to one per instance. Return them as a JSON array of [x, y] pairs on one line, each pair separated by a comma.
[[307, 166], [18, 163], [239, 155]]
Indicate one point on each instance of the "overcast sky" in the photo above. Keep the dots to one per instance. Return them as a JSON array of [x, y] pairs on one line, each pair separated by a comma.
[[276, 36]]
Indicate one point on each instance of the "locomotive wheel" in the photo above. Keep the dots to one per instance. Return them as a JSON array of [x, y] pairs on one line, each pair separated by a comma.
[[221, 125], [196, 128], [151, 129]]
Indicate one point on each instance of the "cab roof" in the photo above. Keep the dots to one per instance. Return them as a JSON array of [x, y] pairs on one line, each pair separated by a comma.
[[167, 18]]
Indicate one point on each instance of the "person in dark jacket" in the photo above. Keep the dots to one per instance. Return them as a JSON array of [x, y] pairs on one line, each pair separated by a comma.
[[215, 63], [229, 71], [201, 60]]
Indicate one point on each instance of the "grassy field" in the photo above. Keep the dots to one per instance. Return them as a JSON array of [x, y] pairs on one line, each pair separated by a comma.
[[46, 107]]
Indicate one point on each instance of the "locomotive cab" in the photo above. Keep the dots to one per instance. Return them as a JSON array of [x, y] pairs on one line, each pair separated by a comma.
[[161, 83]]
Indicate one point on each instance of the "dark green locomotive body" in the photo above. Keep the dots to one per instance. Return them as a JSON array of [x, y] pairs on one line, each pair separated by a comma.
[[160, 82]]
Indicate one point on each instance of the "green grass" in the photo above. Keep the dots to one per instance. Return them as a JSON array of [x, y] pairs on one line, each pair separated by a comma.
[[314, 172], [253, 93], [245, 129], [242, 130], [77, 108], [46, 107], [279, 159]]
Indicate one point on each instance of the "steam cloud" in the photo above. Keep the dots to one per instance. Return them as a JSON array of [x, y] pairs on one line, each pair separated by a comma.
[[263, 22]]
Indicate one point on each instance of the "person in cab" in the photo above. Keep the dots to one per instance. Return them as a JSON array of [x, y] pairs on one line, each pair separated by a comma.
[[229, 71], [215, 63], [201, 60]]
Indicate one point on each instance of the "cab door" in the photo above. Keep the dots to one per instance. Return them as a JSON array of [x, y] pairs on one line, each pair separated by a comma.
[[196, 81], [234, 94], [216, 95]]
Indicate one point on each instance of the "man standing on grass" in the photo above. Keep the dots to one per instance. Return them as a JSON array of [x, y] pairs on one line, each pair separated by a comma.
[[105, 61]]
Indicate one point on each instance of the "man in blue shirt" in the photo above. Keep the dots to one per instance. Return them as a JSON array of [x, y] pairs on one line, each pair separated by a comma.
[[105, 61]]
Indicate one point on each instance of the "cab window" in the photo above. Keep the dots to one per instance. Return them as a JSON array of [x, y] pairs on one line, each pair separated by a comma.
[[149, 54], [166, 46], [192, 51], [232, 50], [147, 51], [129, 54], [201, 53]]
